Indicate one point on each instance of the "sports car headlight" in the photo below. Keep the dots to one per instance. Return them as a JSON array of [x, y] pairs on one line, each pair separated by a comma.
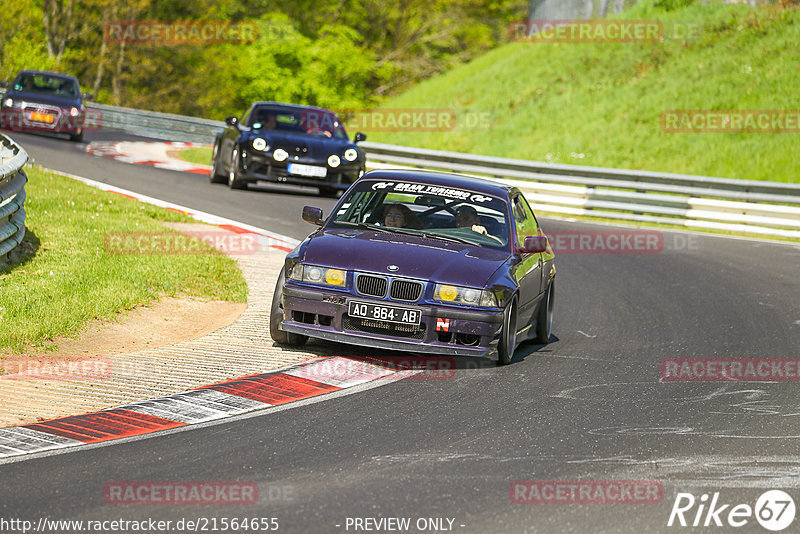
[[333, 160], [350, 154], [318, 275], [73, 112], [260, 144], [464, 295], [280, 155]]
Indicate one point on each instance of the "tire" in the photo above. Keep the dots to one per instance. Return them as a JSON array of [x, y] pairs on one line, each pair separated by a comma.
[[544, 317], [276, 316], [508, 335], [233, 176], [214, 176], [77, 138], [328, 192]]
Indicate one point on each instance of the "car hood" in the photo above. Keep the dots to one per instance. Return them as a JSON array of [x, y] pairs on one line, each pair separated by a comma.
[[309, 145], [35, 98], [415, 257]]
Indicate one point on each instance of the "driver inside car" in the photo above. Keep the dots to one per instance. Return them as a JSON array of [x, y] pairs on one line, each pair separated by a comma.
[[467, 217]]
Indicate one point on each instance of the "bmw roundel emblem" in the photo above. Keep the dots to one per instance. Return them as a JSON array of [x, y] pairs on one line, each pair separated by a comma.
[[392, 267]]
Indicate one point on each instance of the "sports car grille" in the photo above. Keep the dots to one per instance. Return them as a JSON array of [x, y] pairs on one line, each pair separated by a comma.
[[405, 290], [374, 286], [383, 327]]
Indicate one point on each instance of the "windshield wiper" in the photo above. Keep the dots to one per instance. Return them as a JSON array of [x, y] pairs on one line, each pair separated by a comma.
[[451, 238]]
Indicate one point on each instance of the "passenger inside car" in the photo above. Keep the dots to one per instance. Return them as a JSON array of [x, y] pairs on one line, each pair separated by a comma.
[[399, 216]]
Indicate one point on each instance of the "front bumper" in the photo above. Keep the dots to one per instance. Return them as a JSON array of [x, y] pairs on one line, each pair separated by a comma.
[[258, 166], [324, 314], [16, 119]]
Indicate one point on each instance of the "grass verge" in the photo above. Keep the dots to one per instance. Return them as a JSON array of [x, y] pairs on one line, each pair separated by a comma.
[[199, 155], [64, 277], [601, 103]]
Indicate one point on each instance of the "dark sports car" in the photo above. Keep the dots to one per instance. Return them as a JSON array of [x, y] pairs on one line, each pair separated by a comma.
[[276, 142], [420, 261], [39, 101]]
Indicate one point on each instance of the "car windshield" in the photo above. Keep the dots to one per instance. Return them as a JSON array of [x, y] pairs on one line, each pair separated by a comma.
[[46, 84], [308, 122], [445, 213]]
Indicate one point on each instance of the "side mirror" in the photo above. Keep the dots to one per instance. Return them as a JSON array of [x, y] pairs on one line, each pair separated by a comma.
[[534, 245], [232, 121], [88, 96], [360, 137], [312, 215], [4, 84]]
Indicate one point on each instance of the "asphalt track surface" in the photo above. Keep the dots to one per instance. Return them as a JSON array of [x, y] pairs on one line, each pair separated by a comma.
[[588, 407]]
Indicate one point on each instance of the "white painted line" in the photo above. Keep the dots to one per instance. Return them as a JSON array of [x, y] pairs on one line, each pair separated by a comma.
[[16, 441], [338, 371]]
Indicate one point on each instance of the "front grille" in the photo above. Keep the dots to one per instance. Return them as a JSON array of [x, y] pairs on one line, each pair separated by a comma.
[[383, 327], [374, 286], [405, 290]]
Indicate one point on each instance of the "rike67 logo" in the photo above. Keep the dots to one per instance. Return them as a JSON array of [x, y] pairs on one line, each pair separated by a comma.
[[774, 510]]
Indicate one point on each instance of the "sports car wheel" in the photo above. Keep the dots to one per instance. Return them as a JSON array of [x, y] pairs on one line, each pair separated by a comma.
[[214, 175], [508, 336], [233, 177], [276, 316], [544, 318], [76, 137]]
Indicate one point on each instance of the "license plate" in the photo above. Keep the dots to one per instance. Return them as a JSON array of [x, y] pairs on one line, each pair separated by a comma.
[[379, 312], [41, 117], [307, 170]]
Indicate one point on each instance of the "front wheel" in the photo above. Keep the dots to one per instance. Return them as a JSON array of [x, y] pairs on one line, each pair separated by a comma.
[[544, 317], [76, 137], [276, 316], [214, 176], [508, 336], [233, 176]]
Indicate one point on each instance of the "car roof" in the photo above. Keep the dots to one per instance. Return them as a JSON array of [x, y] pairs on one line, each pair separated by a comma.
[[48, 73], [443, 179], [294, 107]]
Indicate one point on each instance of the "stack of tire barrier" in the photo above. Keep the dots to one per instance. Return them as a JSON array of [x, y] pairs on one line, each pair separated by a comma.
[[12, 196]]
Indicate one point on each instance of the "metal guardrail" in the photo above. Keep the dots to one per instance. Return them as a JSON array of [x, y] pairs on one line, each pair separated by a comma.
[[746, 206], [12, 195]]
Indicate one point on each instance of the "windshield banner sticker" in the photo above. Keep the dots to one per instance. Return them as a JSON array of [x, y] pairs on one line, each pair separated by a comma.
[[423, 189]]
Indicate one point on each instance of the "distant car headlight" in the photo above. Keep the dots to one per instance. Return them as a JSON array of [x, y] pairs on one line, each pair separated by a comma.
[[350, 154], [8, 102], [464, 295], [280, 155], [73, 112], [260, 144], [333, 160], [318, 275]]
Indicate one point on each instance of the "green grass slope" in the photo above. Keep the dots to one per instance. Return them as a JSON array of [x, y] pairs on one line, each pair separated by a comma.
[[600, 104]]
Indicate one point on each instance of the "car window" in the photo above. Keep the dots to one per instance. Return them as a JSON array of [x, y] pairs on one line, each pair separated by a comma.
[[319, 123], [524, 219], [436, 211], [47, 85]]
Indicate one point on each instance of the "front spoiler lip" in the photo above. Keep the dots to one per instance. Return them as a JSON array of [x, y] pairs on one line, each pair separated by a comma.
[[407, 346]]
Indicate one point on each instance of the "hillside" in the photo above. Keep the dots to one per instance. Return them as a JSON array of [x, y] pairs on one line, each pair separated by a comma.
[[601, 103]]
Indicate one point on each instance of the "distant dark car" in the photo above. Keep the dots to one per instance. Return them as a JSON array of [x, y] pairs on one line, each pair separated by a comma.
[[39, 101], [286, 143], [420, 261]]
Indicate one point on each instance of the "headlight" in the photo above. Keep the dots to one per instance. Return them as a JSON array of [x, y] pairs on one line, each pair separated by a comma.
[[74, 112], [8, 102], [350, 154], [318, 275], [333, 160], [280, 155], [260, 144], [464, 295]]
